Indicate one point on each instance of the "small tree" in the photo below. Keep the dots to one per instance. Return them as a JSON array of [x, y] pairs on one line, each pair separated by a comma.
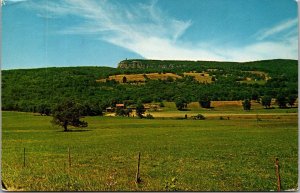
[[205, 102], [149, 116], [247, 104], [180, 103], [199, 117], [140, 109], [161, 104], [292, 99], [123, 112], [281, 101], [266, 101], [68, 113], [124, 80], [255, 95]]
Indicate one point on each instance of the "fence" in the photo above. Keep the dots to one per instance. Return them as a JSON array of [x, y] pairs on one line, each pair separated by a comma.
[[138, 175]]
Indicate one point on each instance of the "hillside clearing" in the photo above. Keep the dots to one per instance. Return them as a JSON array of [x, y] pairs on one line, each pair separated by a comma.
[[131, 78], [140, 77], [200, 77]]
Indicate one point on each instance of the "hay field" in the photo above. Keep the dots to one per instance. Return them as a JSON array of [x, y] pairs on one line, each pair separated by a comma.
[[200, 77], [141, 77]]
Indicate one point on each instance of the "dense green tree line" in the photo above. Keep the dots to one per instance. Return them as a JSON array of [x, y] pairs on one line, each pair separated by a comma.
[[38, 90]]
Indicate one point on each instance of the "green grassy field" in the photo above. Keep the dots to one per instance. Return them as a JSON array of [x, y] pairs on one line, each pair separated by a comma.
[[203, 155], [231, 109]]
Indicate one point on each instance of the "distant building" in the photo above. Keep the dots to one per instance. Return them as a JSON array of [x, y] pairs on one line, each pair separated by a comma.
[[120, 106], [113, 109], [109, 109]]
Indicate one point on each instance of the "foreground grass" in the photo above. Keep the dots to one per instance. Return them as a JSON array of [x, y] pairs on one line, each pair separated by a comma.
[[208, 155]]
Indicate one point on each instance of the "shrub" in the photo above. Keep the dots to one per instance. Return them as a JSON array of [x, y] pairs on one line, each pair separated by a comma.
[[205, 101], [149, 116], [281, 100], [291, 100], [123, 112], [140, 109], [247, 104], [198, 117], [181, 103], [266, 101], [161, 104]]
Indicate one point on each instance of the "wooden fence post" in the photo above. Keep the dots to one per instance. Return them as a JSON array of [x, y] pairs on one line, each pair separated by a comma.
[[69, 157], [24, 158], [138, 177], [278, 175], [3, 185]]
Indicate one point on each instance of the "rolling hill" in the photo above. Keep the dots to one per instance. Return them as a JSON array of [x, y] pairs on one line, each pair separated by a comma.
[[27, 89]]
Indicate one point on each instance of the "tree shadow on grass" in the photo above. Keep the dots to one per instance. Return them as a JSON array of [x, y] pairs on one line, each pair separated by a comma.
[[76, 130], [184, 109]]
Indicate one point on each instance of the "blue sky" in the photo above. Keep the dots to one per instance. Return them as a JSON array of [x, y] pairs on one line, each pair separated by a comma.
[[46, 33]]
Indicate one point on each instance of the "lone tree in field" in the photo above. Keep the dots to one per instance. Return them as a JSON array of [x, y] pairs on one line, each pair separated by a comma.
[[68, 113], [247, 104]]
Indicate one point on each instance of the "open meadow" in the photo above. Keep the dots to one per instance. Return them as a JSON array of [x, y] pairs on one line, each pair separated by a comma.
[[149, 96], [202, 155]]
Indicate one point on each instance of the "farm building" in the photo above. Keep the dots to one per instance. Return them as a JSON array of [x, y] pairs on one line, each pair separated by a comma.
[[113, 109], [120, 106], [110, 109]]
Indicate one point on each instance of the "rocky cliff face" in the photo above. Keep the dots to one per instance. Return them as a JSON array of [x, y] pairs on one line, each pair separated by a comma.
[[126, 64], [142, 64]]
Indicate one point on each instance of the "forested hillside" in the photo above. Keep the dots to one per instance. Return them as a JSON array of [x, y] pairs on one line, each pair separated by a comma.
[[32, 89]]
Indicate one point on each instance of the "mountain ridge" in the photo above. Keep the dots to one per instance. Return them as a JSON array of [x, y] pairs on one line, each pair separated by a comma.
[[149, 63]]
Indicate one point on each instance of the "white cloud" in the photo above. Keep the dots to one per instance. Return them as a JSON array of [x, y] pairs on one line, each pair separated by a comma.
[[15, 1], [286, 25], [148, 31], [8, 2], [265, 50]]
